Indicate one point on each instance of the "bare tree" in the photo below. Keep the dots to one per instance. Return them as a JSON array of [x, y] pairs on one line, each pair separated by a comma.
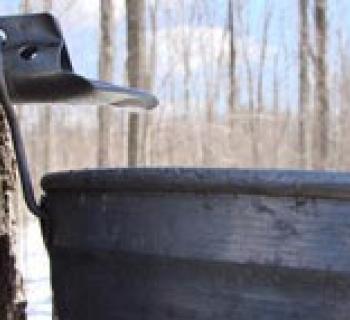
[[303, 82], [106, 66], [321, 119], [136, 68], [232, 67]]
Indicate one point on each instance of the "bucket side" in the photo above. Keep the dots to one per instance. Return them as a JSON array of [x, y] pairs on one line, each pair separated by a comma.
[[171, 255]]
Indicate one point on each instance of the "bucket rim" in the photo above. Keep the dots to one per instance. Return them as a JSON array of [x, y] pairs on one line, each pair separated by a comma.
[[269, 182]]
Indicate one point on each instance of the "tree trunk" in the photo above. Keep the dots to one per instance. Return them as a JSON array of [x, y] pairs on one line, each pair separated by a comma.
[[136, 68], [106, 67], [303, 82], [321, 120], [232, 69], [12, 301], [12, 305]]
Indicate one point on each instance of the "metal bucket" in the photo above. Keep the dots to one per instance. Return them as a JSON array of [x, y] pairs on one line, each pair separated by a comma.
[[161, 244]]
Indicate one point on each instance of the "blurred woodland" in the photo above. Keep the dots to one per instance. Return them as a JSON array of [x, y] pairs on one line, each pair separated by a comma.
[[240, 84]]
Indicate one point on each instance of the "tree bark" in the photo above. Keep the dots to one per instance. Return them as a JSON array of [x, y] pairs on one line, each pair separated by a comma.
[[321, 119], [106, 66], [303, 82], [136, 69], [12, 297], [12, 304]]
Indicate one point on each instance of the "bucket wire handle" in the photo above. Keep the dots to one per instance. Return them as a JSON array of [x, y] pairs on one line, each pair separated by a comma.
[[17, 140]]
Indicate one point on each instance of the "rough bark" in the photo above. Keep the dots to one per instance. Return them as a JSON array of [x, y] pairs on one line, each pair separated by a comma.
[[136, 68], [12, 304], [303, 82], [321, 119]]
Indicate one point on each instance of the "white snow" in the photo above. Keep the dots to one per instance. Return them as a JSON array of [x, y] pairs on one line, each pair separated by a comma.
[[34, 265]]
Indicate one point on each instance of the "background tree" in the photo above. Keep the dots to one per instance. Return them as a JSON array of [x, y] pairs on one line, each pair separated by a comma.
[[303, 81], [321, 117], [232, 67], [106, 71], [136, 69]]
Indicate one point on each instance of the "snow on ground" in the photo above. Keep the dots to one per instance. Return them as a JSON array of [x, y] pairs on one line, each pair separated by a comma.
[[34, 265]]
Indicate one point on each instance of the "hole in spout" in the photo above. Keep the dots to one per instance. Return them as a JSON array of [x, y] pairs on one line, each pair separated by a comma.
[[28, 52]]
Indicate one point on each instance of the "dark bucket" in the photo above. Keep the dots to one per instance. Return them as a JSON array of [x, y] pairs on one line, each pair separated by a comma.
[[161, 244]]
